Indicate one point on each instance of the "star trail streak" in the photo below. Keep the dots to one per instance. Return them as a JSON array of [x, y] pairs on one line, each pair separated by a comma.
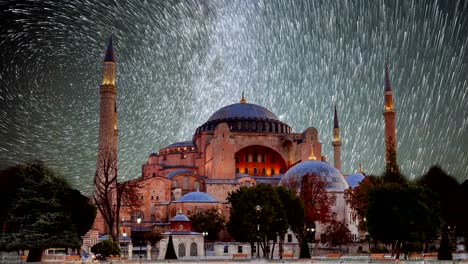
[[180, 61]]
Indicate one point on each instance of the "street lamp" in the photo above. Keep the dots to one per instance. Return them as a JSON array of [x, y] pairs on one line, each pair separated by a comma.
[[204, 234], [139, 233], [258, 209]]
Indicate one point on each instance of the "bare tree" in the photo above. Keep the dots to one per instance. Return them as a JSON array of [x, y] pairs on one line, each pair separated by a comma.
[[109, 194]]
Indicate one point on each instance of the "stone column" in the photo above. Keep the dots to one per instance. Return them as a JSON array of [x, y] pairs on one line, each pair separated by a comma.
[[148, 251], [130, 251]]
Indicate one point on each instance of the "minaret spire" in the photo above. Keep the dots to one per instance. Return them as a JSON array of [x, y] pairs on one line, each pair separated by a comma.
[[336, 142], [390, 128]]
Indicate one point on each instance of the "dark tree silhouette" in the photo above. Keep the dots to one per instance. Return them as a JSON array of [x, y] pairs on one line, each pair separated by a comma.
[[210, 221], [38, 210], [170, 251]]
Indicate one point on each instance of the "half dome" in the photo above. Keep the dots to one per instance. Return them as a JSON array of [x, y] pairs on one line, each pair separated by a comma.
[[335, 180]]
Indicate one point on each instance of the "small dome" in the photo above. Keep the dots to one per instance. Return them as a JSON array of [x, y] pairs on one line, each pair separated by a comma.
[[180, 217], [243, 111], [354, 179], [335, 180], [153, 154], [197, 197]]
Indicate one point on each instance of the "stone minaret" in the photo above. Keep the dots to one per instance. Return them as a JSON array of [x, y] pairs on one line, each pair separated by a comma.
[[389, 117], [336, 143], [107, 145]]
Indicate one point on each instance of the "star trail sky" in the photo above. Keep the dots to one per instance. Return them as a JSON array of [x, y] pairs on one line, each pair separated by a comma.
[[180, 61]]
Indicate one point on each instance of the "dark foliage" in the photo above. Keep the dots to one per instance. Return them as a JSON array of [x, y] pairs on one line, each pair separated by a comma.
[[105, 249], [210, 221], [40, 209]]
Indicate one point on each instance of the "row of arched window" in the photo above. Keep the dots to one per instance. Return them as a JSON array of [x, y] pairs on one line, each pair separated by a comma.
[[193, 250], [266, 126], [255, 171]]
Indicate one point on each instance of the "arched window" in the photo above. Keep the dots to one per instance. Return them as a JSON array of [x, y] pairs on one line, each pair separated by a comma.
[[272, 171], [246, 157], [186, 181], [255, 157], [237, 159], [246, 170], [255, 171], [237, 169], [196, 186], [175, 184], [181, 250], [263, 171], [181, 227], [281, 171], [193, 249], [154, 174], [263, 157]]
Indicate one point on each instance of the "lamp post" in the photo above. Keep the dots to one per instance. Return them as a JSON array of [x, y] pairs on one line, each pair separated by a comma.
[[139, 235], [125, 243], [310, 230], [204, 234], [258, 209]]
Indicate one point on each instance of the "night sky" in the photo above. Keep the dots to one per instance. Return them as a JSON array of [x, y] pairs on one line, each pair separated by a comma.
[[180, 61]]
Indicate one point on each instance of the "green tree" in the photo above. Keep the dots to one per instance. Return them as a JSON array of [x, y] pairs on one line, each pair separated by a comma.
[[357, 198], [105, 249], [38, 210], [400, 213], [170, 251], [210, 221], [258, 215]]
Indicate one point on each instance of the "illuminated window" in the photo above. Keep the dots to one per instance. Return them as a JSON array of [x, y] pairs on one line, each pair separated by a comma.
[[183, 156]]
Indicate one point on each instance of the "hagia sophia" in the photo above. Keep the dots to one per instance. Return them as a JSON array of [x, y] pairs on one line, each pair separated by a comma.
[[242, 144]]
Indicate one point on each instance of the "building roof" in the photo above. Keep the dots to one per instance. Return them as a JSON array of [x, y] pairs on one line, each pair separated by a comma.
[[182, 233], [353, 180], [243, 111], [197, 197], [335, 180], [181, 144]]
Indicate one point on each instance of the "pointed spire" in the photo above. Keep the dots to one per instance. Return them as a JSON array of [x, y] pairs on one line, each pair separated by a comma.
[[360, 168], [387, 78], [109, 51], [335, 120], [242, 101]]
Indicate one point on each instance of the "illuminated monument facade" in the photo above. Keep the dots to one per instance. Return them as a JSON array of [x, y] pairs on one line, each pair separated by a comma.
[[242, 144]]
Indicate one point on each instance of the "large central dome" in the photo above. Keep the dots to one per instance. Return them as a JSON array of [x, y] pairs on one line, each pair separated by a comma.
[[244, 111], [244, 117]]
